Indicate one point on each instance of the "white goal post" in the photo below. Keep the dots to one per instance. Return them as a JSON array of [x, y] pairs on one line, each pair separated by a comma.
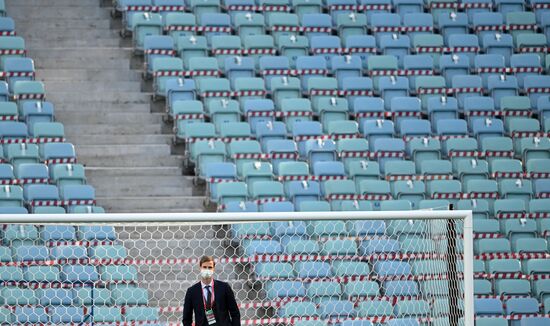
[[166, 228]]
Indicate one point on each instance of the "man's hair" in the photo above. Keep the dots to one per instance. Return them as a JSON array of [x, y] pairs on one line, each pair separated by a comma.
[[205, 259]]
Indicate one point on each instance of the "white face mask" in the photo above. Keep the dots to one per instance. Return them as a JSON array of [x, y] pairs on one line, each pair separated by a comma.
[[206, 273]]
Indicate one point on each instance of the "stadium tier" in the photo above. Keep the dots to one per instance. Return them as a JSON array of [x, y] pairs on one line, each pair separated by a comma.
[[308, 105]]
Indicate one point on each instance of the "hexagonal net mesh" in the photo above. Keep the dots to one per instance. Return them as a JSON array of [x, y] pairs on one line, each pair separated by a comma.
[[314, 272]]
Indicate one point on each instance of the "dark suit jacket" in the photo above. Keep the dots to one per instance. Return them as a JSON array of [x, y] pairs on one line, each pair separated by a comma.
[[225, 306]]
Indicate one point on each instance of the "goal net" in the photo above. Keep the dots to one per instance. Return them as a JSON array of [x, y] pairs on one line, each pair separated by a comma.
[[307, 268]]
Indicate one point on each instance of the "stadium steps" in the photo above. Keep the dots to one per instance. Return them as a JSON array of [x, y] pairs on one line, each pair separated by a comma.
[[98, 95], [87, 74]]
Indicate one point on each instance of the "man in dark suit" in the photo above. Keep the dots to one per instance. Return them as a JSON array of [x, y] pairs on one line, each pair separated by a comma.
[[212, 301]]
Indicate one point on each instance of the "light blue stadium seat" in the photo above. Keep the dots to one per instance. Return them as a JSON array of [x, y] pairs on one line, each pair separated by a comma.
[[68, 252], [531, 83], [319, 150], [379, 246], [336, 309], [18, 296], [529, 245], [321, 21], [486, 226], [83, 296], [259, 43], [541, 289], [479, 207], [361, 289], [297, 246], [535, 266], [175, 24], [143, 25], [401, 288], [522, 306], [419, 63], [67, 174], [141, 314], [391, 87], [527, 60], [129, 295], [41, 273], [11, 273], [18, 65], [217, 172], [178, 92], [339, 247], [302, 7], [385, 268], [507, 6], [451, 127], [277, 289], [361, 42], [55, 297], [107, 314], [350, 24], [302, 191], [404, 104], [191, 46], [534, 321], [200, 7], [297, 309], [268, 64], [12, 43], [141, 6], [30, 253], [313, 269], [96, 233], [293, 47], [530, 148], [393, 146], [383, 21], [395, 45], [488, 307], [281, 270], [247, 23], [412, 308], [487, 23], [117, 273], [32, 113], [414, 128], [79, 273], [321, 43], [26, 315], [321, 291], [6, 316], [13, 130], [512, 287], [57, 233], [374, 308], [452, 66], [492, 246], [261, 247], [453, 24], [242, 206], [66, 314]]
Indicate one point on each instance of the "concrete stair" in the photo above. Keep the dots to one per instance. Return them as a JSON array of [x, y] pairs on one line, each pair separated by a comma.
[[95, 83]]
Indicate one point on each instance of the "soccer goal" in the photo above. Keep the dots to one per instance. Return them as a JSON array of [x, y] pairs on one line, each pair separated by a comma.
[[285, 268]]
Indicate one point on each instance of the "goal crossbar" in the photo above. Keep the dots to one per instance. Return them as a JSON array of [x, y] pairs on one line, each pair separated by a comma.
[[240, 217]]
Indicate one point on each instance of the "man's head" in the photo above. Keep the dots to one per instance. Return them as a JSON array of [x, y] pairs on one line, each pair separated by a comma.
[[207, 266]]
